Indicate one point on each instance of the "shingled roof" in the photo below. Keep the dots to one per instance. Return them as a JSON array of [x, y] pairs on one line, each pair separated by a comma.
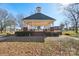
[[38, 16]]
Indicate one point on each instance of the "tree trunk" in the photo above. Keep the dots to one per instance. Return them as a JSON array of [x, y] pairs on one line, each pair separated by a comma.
[[1, 28], [76, 27], [5, 29]]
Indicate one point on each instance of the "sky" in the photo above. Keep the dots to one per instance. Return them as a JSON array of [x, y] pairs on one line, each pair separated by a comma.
[[50, 9]]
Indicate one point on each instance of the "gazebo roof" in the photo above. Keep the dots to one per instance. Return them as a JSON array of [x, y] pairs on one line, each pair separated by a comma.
[[38, 16]]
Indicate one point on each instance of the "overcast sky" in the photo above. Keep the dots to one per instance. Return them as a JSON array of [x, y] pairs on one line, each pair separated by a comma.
[[51, 9]]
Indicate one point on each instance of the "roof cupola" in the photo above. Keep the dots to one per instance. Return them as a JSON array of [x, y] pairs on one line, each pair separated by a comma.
[[38, 9]]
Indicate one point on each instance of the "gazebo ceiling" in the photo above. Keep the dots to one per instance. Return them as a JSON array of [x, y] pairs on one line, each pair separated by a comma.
[[38, 23]]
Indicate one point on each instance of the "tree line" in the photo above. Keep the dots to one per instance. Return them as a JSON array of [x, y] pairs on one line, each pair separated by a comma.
[[9, 20], [71, 13]]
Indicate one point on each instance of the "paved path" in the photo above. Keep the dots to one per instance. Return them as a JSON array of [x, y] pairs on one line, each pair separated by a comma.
[[62, 37], [2, 38]]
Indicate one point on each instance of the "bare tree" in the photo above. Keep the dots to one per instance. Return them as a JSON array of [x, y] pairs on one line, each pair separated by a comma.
[[19, 20], [72, 13], [66, 24], [11, 22], [62, 26], [3, 15]]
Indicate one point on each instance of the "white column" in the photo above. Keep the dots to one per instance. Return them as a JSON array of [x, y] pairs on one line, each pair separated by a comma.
[[29, 27]]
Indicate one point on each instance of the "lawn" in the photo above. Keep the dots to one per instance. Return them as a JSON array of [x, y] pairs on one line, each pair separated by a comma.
[[48, 48], [71, 33]]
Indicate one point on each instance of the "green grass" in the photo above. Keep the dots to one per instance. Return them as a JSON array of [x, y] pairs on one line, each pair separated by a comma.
[[6, 33], [71, 33], [3, 33]]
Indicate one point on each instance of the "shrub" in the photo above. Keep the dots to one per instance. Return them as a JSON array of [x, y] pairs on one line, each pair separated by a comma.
[[51, 34], [67, 34], [23, 33], [71, 33], [29, 33], [55, 34], [47, 33], [60, 33]]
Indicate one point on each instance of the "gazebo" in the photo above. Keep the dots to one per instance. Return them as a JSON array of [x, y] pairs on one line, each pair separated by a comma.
[[38, 21], [38, 24]]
